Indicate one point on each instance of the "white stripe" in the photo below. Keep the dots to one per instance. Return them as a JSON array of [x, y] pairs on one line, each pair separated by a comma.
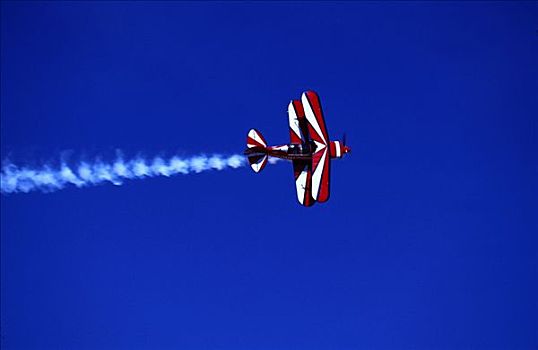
[[337, 146], [316, 177], [311, 117], [283, 148], [294, 121], [319, 146], [300, 184], [258, 165]]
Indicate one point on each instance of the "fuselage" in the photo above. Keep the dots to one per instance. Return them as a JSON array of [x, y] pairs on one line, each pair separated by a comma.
[[294, 151]]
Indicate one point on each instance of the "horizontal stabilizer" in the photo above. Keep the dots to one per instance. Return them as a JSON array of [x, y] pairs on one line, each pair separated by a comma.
[[256, 150], [258, 162], [255, 139]]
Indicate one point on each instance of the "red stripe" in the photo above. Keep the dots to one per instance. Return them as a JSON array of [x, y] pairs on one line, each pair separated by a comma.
[[251, 141], [308, 199], [314, 135], [294, 138], [299, 110], [316, 157], [333, 149]]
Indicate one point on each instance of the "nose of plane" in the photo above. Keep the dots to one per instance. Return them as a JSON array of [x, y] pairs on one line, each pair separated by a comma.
[[347, 149]]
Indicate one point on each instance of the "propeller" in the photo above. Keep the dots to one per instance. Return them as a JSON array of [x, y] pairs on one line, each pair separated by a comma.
[[344, 143]]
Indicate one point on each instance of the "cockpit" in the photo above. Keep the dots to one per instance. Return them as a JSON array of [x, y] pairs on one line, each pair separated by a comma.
[[304, 148]]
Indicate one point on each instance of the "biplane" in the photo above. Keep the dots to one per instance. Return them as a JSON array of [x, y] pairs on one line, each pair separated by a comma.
[[310, 149]]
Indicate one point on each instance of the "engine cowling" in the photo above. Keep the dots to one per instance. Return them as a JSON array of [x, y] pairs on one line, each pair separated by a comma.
[[338, 149]]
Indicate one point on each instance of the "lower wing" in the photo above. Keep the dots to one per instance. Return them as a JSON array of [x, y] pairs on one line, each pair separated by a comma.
[[303, 181]]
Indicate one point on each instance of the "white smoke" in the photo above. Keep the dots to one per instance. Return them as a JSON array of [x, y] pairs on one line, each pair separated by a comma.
[[48, 178]]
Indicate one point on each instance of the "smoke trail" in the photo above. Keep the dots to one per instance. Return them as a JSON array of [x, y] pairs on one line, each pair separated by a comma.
[[47, 178]]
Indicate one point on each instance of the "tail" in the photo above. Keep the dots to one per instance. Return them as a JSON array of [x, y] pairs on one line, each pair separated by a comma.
[[256, 150]]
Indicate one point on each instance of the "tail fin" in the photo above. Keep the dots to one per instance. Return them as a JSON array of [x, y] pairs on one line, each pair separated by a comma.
[[256, 150]]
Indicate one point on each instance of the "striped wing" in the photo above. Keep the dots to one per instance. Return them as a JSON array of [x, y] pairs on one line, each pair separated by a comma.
[[321, 160], [303, 182], [297, 122]]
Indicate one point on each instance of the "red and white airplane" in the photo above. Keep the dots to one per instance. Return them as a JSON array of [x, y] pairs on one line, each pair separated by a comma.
[[310, 149]]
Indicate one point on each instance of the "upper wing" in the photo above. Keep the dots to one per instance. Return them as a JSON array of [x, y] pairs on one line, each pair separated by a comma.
[[303, 182], [314, 116], [321, 160], [297, 122], [321, 174]]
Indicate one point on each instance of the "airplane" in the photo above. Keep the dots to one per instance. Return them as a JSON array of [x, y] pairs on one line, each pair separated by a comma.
[[310, 149]]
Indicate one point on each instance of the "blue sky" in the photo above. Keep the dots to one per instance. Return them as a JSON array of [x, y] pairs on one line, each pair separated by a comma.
[[428, 240]]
